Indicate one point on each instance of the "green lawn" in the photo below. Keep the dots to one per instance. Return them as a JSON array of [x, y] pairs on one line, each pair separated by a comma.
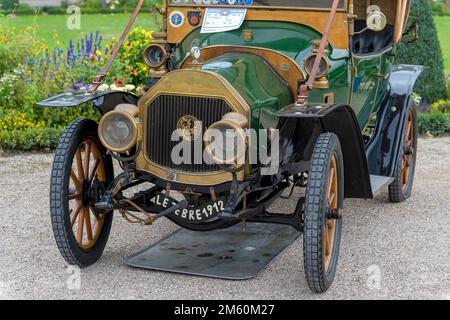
[[443, 26], [109, 25]]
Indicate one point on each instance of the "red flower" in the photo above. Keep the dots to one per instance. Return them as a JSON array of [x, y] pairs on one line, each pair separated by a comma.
[[120, 83], [133, 72]]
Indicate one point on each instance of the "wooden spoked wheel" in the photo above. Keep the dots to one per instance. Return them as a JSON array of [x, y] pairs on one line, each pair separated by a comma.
[[322, 223], [82, 171], [88, 177], [401, 188], [330, 225], [408, 154]]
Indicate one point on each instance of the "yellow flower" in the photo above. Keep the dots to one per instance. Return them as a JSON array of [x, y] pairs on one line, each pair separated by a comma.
[[98, 52]]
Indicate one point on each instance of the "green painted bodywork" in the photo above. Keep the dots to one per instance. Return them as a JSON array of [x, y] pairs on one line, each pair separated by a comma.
[[264, 90], [256, 81], [370, 83]]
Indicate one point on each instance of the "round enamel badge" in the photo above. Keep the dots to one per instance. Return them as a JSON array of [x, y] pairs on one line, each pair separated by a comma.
[[176, 19]]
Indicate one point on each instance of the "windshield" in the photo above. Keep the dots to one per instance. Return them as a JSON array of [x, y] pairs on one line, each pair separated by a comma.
[[269, 3]]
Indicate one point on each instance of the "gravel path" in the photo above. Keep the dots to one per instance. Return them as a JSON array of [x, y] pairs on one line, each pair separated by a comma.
[[406, 246]]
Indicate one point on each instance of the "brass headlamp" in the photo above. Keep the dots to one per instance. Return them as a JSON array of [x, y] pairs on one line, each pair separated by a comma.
[[226, 140], [118, 130], [320, 81]]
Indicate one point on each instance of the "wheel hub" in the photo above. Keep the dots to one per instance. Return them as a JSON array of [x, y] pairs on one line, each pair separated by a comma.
[[333, 214], [92, 193]]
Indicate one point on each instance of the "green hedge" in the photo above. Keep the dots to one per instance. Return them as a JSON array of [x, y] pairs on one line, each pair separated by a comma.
[[30, 139], [434, 123], [426, 52]]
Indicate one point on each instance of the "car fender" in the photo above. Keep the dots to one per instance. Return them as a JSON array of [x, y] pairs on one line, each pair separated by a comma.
[[300, 127], [384, 146], [104, 101]]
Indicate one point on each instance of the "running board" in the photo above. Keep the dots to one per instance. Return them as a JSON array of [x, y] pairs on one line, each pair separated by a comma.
[[379, 183]]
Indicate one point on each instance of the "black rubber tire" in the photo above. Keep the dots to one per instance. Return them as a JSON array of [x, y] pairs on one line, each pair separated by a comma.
[[396, 192], [315, 214], [59, 204]]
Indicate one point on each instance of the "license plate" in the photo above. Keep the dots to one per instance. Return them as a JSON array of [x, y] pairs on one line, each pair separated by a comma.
[[191, 214]]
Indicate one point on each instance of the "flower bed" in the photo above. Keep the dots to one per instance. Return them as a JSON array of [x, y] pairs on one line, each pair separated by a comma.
[[31, 71]]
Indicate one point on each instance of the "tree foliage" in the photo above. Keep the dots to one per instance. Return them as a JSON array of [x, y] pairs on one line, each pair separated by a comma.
[[8, 4], [426, 52]]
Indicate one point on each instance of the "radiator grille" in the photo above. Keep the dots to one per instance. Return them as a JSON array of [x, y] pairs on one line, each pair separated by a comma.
[[163, 115]]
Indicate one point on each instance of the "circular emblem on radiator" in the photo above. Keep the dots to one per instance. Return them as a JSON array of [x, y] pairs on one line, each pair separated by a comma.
[[189, 127]]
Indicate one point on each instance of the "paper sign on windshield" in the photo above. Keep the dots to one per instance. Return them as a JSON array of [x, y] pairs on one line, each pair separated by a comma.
[[221, 20]]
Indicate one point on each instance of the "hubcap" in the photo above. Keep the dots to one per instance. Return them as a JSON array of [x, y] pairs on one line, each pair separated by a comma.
[[87, 173]]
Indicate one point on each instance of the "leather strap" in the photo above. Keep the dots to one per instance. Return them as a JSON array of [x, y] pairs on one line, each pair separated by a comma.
[[98, 79], [305, 88]]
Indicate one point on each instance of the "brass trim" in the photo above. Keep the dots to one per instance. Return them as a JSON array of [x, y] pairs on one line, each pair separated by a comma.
[[328, 98], [193, 83], [192, 5], [247, 35], [163, 61], [314, 19], [132, 120], [278, 61], [313, 57], [234, 121]]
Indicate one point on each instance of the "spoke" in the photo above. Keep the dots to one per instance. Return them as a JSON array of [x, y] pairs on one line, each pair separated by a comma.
[[331, 180], [80, 227], [325, 240], [94, 170], [79, 165], [410, 160], [74, 196], [75, 213], [75, 180], [332, 198], [328, 246], [87, 158], [408, 130], [406, 175], [88, 224], [330, 226]]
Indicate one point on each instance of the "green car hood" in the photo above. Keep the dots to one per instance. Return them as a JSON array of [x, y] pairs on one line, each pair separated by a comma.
[[291, 39], [256, 82]]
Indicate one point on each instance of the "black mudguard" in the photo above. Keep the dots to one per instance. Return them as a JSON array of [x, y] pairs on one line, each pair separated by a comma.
[[104, 101], [384, 147], [300, 127]]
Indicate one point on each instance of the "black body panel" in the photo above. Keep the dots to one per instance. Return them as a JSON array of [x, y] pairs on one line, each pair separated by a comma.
[[301, 125], [383, 149], [104, 101]]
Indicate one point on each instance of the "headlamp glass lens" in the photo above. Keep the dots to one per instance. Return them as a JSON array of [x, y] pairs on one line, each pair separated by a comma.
[[118, 131], [155, 56], [323, 67]]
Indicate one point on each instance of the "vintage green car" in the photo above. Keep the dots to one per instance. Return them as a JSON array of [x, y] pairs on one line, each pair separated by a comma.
[[246, 100]]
